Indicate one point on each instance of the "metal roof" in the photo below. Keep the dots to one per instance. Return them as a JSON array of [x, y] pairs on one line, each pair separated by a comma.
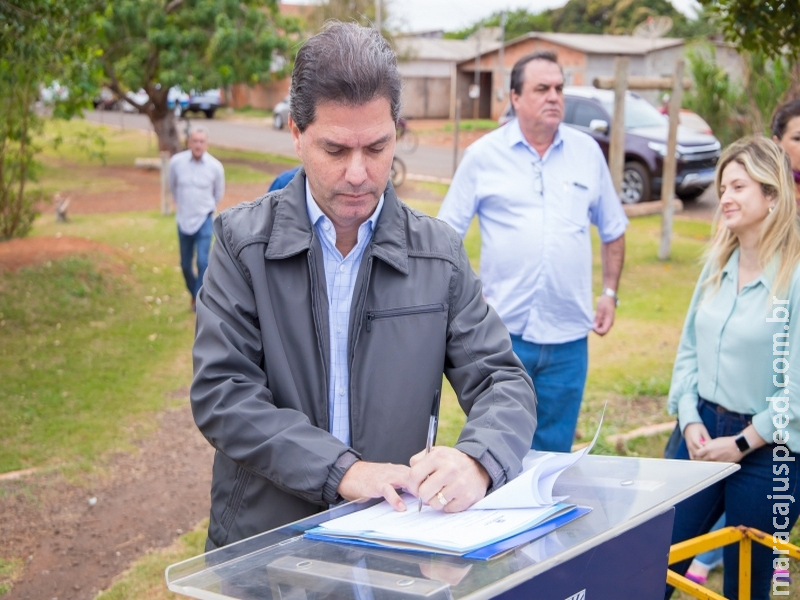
[[417, 48], [591, 43]]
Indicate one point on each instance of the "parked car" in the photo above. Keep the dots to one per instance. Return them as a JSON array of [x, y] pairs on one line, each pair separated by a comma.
[[589, 110], [507, 115], [105, 100], [206, 102], [177, 100], [139, 97], [694, 121], [280, 114]]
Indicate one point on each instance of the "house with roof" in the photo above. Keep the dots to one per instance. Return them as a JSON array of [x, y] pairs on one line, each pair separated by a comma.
[[582, 57], [428, 65]]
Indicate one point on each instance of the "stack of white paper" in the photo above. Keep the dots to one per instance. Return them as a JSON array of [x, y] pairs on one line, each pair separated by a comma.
[[520, 505], [451, 533]]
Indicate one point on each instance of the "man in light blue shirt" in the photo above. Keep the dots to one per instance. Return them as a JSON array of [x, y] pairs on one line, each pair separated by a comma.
[[536, 186], [197, 183]]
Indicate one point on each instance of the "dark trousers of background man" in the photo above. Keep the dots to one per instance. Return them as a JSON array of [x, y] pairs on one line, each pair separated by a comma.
[[558, 372], [199, 243]]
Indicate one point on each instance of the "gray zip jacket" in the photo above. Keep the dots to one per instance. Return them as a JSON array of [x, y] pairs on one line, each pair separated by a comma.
[[261, 356]]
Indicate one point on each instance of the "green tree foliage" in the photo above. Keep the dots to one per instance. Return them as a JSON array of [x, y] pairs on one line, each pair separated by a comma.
[[616, 17], [769, 27], [610, 16], [37, 40], [194, 44], [732, 108]]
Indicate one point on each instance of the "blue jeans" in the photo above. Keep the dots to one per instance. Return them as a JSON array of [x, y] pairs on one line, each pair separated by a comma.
[[743, 498], [188, 243], [558, 372]]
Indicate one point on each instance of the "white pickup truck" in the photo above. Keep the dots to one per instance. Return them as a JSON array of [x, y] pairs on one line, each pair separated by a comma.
[[206, 102]]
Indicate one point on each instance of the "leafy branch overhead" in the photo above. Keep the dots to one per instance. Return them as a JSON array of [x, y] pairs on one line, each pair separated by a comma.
[[614, 17], [771, 27], [193, 44]]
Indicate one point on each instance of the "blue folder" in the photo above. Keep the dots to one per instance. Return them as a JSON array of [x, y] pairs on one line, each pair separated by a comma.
[[485, 553]]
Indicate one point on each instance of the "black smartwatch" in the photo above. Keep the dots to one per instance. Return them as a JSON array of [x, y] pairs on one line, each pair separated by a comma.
[[742, 443]]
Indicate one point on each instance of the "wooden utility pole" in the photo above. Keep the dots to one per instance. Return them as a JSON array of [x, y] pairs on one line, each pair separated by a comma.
[[616, 162], [165, 207], [477, 97], [500, 86], [456, 127], [670, 162], [616, 148]]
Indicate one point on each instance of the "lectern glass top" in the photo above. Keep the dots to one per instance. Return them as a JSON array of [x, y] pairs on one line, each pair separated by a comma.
[[282, 565]]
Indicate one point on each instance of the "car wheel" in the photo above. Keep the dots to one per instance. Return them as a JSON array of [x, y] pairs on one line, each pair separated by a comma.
[[277, 122], [209, 113], [397, 174], [635, 183]]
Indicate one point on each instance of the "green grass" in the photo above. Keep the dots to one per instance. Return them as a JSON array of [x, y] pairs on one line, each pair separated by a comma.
[[10, 570], [90, 346], [247, 111], [473, 125]]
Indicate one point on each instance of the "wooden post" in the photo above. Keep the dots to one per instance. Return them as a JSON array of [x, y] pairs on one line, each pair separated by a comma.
[[616, 150], [457, 125], [165, 207], [670, 162]]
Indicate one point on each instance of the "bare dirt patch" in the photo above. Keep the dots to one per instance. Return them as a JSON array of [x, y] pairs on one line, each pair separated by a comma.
[[133, 189], [18, 253], [70, 548], [73, 549]]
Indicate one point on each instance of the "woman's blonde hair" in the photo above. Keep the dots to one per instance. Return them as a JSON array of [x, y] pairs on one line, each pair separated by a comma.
[[767, 164]]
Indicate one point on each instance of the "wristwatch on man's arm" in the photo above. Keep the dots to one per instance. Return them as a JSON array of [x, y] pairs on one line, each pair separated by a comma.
[[611, 294]]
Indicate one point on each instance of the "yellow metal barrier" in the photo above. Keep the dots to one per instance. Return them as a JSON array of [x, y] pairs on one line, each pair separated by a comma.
[[744, 536]]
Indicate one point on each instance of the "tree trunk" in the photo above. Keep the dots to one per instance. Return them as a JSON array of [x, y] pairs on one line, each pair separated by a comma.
[[793, 93], [163, 120]]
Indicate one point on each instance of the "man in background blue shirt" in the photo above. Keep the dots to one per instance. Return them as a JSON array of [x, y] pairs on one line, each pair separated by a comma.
[[536, 185]]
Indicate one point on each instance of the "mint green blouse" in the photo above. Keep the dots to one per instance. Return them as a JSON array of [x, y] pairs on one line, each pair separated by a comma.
[[741, 350]]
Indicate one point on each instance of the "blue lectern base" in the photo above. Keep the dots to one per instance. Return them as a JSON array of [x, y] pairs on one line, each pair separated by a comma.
[[630, 566]]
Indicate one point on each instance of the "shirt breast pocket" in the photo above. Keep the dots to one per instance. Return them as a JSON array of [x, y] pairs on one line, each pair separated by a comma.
[[578, 199]]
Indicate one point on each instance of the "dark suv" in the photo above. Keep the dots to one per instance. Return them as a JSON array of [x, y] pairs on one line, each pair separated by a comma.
[[589, 110]]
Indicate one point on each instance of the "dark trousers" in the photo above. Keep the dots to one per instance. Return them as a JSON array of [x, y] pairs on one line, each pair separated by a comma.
[[201, 242], [743, 498]]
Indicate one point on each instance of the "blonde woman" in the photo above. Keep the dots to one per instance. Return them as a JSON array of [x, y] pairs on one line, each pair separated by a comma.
[[737, 373]]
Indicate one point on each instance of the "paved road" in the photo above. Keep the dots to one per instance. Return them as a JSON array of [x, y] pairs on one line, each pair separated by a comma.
[[430, 161]]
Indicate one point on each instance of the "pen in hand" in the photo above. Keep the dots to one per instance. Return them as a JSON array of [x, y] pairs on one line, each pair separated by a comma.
[[431, 433]]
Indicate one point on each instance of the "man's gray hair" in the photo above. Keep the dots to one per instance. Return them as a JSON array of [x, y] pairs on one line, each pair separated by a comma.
[[199, 129], [344, 63]]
